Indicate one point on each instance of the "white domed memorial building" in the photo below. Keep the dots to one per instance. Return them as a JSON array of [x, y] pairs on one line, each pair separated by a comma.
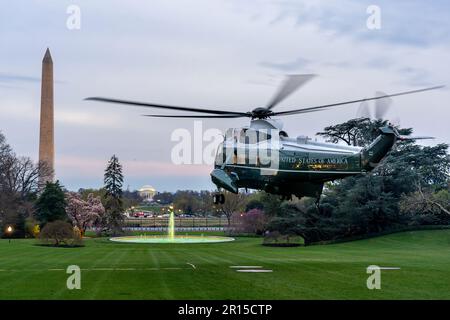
[[147, 193]]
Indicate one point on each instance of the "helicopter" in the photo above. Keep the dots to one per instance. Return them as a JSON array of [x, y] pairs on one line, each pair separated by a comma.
[[263, 156]]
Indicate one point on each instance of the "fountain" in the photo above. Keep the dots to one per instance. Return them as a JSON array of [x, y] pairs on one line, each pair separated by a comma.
[[171, 237], [171, 230]]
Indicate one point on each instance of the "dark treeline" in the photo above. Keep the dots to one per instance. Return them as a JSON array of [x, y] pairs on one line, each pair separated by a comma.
[[19, 186], [409, 188], [31, 207]]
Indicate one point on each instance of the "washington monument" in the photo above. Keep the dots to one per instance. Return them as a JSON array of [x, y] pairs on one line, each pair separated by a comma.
[[46, 134]]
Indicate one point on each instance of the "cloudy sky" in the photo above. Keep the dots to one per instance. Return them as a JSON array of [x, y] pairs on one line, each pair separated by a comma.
[[228, 54]]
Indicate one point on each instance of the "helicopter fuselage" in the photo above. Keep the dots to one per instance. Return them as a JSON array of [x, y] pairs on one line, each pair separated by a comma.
[[267, 160]]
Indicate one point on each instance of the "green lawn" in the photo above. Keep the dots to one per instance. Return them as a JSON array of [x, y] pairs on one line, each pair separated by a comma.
[[140, 271]]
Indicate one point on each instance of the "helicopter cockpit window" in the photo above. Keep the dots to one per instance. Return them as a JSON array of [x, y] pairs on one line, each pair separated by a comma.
[[243, 136], [229, 133], [219, 155], [249, 136]]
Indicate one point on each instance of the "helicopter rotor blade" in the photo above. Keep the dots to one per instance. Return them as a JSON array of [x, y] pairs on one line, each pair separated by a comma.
[[220, 116], [318, 108], [161, 106], [289, 86]]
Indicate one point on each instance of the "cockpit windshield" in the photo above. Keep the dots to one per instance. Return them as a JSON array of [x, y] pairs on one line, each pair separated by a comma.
[[219, 155]]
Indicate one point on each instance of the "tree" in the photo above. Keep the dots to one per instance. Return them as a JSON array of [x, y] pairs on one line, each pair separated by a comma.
[[163, 198], [19, 175], [113, 219], [18, 185], [254, 204], [58, 233], [365, 206], [84, 193], [371, 203], [271, 203], [409, 186], [131, 198], [357, 132], [293, 221], [84, 213], [187, 201], [51, 204], [233, 203], [113, 180], [252, 222], [205, 205], [424, 201]]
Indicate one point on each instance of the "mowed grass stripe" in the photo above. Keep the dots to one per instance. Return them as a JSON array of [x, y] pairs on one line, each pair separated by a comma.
[[136, 271], [158, 283]]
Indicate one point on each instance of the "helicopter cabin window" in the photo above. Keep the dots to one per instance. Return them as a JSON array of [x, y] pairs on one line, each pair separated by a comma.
[[263, 136], [246, 136], [233, 134]]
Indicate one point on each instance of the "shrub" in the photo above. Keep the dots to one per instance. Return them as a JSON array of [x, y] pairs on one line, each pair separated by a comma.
[[276, 239], [60, 233], [32, 228], [251, 222]]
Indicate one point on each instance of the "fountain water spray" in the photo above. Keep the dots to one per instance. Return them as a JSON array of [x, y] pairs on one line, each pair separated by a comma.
[[171, 230], [170, 237]]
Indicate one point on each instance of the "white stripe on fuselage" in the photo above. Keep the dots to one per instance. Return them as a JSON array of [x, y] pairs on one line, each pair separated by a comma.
[[288, 170]]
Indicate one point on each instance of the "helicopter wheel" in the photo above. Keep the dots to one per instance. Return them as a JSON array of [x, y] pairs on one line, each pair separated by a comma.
[[219, 198]]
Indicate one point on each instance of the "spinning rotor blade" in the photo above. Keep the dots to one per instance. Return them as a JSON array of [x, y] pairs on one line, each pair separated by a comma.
[[363, 110], [289, 86], [161, 106], [382, 105], [193, 116], [319, 108]]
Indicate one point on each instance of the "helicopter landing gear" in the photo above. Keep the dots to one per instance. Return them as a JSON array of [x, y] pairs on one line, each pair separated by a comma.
[[218, 198]]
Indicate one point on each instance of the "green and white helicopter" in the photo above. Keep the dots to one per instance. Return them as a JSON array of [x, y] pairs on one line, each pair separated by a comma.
[[263, 156]]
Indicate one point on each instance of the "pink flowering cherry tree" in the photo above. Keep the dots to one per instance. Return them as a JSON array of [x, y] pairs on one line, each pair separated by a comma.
[[84, 213]]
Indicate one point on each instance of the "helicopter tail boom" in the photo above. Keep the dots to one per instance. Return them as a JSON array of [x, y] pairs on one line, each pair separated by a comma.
[[372, 154]]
